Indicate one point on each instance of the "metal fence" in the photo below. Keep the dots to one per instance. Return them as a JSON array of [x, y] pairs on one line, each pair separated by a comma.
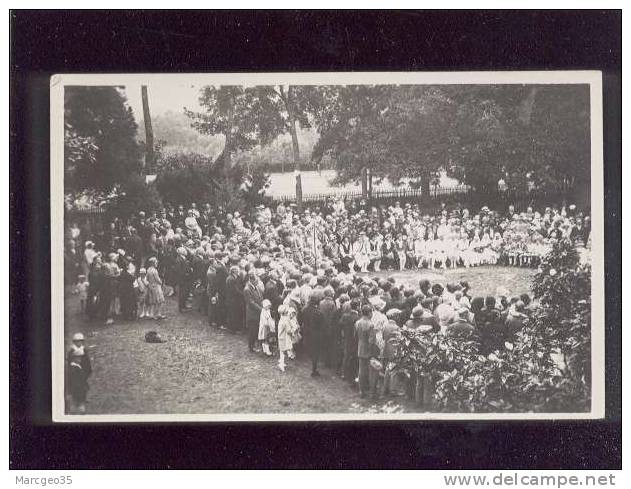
[[460, 194], [377, 195]]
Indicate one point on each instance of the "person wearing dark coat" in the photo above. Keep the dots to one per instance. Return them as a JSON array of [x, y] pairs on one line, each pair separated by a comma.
[[328, 309], [200, 266], [72, 264], [222, 275], [490, 327], [126, 292], [134, 247], [253, 297], [96, 279], [212, 286], [78, 370], [274, 293], [423, 318], [235, 305], [349, 340], [461, 327], [391, 333], [182, 277], [365, 351], [314, 332]]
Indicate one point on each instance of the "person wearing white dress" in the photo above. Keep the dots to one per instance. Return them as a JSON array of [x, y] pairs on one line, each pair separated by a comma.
[[419, 251], [361, 251]]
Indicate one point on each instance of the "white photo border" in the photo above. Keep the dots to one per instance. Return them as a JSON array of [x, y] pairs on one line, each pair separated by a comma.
[[591, 78]]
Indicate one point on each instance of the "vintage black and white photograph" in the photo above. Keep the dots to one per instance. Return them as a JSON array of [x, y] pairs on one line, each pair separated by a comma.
[[331, 246]]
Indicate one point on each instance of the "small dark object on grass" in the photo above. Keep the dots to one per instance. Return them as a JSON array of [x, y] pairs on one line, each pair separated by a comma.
[[153, 337]]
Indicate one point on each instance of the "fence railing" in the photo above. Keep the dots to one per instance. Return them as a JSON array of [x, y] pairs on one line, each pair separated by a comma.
[[88, 210], [435, 196], [376, 195]]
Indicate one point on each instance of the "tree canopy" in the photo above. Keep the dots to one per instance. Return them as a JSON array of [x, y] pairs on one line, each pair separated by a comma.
[[479, 134], [101, 149]]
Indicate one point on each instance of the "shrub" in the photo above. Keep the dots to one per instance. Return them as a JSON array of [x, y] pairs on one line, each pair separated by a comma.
[[526, 375], [135, 195], [189, 177]]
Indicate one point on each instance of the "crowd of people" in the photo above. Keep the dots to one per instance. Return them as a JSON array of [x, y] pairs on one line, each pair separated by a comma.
[[293, 283]]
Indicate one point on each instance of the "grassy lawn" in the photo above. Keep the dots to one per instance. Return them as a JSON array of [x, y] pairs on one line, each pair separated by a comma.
[[201, 370], [482, 280]]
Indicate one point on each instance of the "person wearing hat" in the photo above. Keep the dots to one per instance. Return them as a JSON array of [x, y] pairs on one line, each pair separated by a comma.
[[361, 252], [78, 370], [135, 246], [89, 253], [349, 341], [182, 273], [111, 272], [82, 289], [366, 349], [127, 296], [288, 331], [140, 291], [422, 318], [221, 275], [314, 331], [234, 303], [460, 327], [267, 327], [155, 295], [391, 332], [328, 308], [253, 297]]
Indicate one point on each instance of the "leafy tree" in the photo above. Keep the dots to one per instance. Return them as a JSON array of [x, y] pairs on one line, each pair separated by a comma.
[[526, 135], [253, 116], [245, 117], [101, 147], [394, 131]]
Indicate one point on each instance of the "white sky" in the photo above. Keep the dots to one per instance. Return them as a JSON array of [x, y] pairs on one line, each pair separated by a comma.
[[163, 97]]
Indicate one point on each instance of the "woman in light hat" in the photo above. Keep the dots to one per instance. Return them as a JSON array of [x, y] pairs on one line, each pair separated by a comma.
[[111, 272], [155, 296], [285, 328], [78, 370], [88, 257]]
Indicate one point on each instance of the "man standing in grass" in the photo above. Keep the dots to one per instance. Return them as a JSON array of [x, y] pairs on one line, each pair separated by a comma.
[[253, 296], [364, 327], [314, 327], [349, 341]]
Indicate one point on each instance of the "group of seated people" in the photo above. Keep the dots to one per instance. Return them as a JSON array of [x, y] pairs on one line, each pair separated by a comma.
[[277, 278], [370, 238]]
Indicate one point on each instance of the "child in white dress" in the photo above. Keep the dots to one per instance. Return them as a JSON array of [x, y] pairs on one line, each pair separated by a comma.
[[267, 326], [82, 289], [140, 286]]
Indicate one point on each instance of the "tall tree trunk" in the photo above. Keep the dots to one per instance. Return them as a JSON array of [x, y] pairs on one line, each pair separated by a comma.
[[223, 161], [149, 153], [226, 154], [364, 180], [288, 99]]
